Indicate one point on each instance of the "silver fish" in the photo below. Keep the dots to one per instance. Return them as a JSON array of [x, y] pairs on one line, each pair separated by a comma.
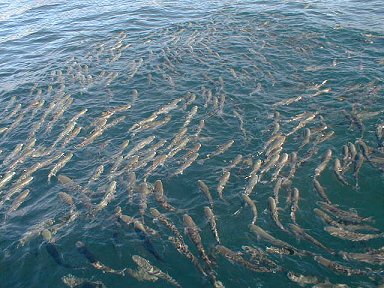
[[204, 188], [302, 279], [94, 262], [160, 198], [192, 231], [153, 270], [299, 232], [183, 250], [59, 165], [327, 157], [251, 204], [320, 190], [221, 149], [18, 201], [295, 204], [348, 216], [96, 175], [274, 213], [338, 267], [235, 257], [187, 163], [261, 233], [157, 216], [222, 182], [350, 235], [212, 221]]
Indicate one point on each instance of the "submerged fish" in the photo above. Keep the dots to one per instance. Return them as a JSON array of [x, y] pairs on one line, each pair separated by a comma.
[[153, 270], [204, 188], [94, 262], [212, 222], [192, 231]]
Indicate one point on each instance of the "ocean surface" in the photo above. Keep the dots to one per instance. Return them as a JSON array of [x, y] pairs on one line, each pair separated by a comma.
[[101, 99]]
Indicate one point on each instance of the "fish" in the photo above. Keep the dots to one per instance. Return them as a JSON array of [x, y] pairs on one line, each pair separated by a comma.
[[52, 249], [235, 257], [352, 151], [302, 280], [306, 137], [277, 188], [350, 235], [142, 232], [295, 204], [141, 275], [94, 262], [261, 233], [13, 154], [131, 185], [303, 123], [326, 158], [160, 198], [182, 248], [338, 172], [153, 270], [343, 215], [286, 251], [259, 256], [15, 189], [268, 165], [71, 136], [18, 201], [212, 222], [299, 232], [144, 192], [234, 162], [251, 204], [358, 164], [321, 191], [157, 216], [338, 268], [329, 220], [59, 165], [6, 179], [192, 231], [283, 160], [177, 138], [139, 146], [274, 213], [75, 282], [204, 188], [222, 182], [186, 164], [96, 174], [252, 181], [270, 141], [95, 134], [71, 185], [108, 197], [221, 149], [190, 116], [371, 257], [157, 162], [255, 168], [275, 146]]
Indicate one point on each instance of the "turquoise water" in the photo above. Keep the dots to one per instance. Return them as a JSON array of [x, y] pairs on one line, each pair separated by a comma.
[[241, 60]]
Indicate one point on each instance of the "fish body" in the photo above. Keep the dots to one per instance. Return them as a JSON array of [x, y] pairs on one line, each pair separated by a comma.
[[274, 213], [192, 231], [204, 188], [212, 222], [222, 182]]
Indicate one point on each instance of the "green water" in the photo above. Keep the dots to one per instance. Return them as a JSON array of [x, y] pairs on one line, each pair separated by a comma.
[[240, 59]]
